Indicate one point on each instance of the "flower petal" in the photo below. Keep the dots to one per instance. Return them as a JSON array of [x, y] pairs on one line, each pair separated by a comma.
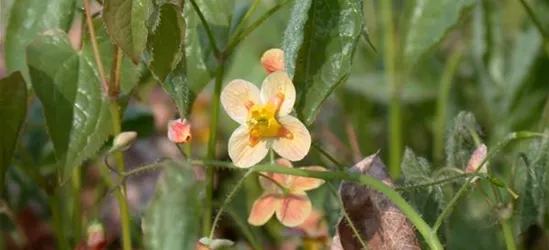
[[296, 148], [263, 209], [307, 183], [294, 209], [240, 151], [235, 97], [281, 179], [279, 82]]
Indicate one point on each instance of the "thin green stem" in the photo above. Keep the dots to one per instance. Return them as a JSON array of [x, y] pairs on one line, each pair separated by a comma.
[[209, 32], [442, 103], [450, 205], [348, 218], [437, 182], [54, 201], [245, 20], [395, 137], [243, 226], [77, 210], [206, 223], [120, 194], [271, 156], [114, 86], [116, 122], [95, 47], [284, 189], [252, 27], [340, 166], [535, 20], [227, 201], [508, 234], [509, 138]]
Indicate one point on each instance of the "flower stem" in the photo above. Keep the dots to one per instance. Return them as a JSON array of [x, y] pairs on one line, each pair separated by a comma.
[[395, 138], [116, 122], [284, 189], [508, 234], [120, 194], [54, 201], [239, 37], [535, 20], [229, 198], [207, 219], [339, 166], [433, 183], [348, 218], [209, 32], [245, 20], [442, 103], [95, 48], [77, 210]]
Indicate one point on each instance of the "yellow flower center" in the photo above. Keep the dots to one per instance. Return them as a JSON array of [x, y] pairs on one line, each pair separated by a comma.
[[262, 121]]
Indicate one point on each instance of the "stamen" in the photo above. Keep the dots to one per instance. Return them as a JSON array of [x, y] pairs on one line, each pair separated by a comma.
[[283, 132], [248, 104], [277, 100], [253, 140]]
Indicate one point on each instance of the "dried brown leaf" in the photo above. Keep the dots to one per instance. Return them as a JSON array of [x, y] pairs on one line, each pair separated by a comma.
[[377, 219]]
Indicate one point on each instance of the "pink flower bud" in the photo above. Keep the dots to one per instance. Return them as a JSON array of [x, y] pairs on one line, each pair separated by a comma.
[[179, 131], [273, 60], [476, 159]]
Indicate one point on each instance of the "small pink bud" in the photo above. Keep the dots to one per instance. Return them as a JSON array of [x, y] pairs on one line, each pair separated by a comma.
[[179, 131], [476, 159], [273, 60]]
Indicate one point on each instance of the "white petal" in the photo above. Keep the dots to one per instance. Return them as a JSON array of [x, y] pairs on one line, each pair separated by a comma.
[[296, 148], [240, 151], [279, 82], [234, 97]]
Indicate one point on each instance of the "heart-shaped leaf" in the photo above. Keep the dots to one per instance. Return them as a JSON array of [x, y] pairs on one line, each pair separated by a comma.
[[171, 221], [319, 44], [13, 109], [27, 19], [429, 23], [76, 111], [125, 22]]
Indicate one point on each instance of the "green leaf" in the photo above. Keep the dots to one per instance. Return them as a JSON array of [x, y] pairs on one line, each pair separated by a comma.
[[165, 40], [319, 44], [125, 22], [165, 47], [416, 171], [172, 219], [532, 184], [429, 23], [27, 19], [13, 109], [67, 84]]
